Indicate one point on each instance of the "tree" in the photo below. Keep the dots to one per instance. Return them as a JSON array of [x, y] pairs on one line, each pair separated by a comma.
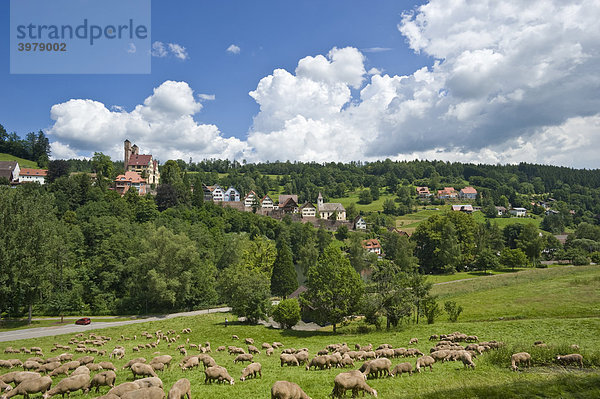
[[102, 165], [166, 197], [453, 310], [334, 288], [287, 313], [513, 258], [374, 190], [430, 309], [365, 197], [437, 245], [389, 207], [342, 232], [56, 169], [390, 292], [247, 292], [530, 242], [283, 279], [486, 260]]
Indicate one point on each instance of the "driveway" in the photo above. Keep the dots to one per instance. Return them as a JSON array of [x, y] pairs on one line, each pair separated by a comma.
[[73, 328]]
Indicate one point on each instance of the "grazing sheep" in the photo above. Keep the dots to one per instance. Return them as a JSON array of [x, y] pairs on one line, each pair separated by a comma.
[[253, 349], [246, 357], [109, 396], [19, 376], [249, 341], [376, 368], [68, 385], [181, 389], [472, 338], [133, 361], [109, 366], [93, 367], [145, 393], [321, 362], [4, 386], [121, 389], [288, 359], [442, 355], [302, 357], [413, 352], [518, 358], [164, 359], [467, 359], [29, 386], [572, 358], [269, 351], [434, 337], [81, 370], [6, 364], [287, 390], [117, 353], [86, 360], [31, 365], [235, 337], [142, 369], [149, 382], [413, 341], [234, 350], [253, 369], [399, 352], [351, 380], [425, 361], [217, 373], [16, 362], [191, 362], [405, 367], [64, 369], [277, 344], [335, 359], [104, 378], [266, 345]]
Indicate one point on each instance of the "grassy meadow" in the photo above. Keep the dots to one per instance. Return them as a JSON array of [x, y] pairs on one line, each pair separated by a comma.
[[23, 163], [560, 306]]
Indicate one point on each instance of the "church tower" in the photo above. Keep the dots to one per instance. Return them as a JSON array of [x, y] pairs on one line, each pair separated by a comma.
[[320, 201]]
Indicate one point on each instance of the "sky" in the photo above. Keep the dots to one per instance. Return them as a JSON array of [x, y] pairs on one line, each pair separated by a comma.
[[336, 80]]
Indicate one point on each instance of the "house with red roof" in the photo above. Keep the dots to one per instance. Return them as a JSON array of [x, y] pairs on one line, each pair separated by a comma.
[[423, 192], [468, 193], [373, 245], [447, 193], [124, 183], [143, 164], [33, 175]]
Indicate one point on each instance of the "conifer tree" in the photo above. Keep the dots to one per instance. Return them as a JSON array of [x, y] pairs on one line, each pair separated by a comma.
[[284, 279]]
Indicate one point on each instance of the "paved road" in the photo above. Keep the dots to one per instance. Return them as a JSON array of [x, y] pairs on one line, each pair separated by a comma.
[[73, 328]]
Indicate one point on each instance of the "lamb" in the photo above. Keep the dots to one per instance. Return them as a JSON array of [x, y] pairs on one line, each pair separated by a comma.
[[181, 389], [29, 386], [425, 361], [287, 390], [572, 358], [246, 357], [121, 389], [518, 358], [405, 367], [145, 393], [319, 361], [467, 360], [352, 380], [253, 369], [217, 373], [288, 359], [413, 341], [376, 368], [142, 369], [132, 361], [149, 382], [118, 353], [68, 385], [104, 378]]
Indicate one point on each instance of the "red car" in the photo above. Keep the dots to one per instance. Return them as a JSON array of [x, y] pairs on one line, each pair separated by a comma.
[[83, 321]]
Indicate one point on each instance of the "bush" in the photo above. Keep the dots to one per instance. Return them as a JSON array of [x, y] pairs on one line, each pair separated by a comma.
[[595, 257], [287, 313], [581, 260], [453, 310]]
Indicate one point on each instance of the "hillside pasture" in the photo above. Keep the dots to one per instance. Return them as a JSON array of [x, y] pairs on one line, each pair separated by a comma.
[[23, 163]]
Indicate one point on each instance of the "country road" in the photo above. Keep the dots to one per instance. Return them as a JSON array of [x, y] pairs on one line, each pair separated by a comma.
[[73, 328]]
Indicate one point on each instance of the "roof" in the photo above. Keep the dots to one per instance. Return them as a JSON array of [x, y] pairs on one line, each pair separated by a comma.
[[139, 160], [265, 197], [6, 173], [401, 232], [501, 208], [308, 205], [423, 189], [356, 219], [519, 209], [8, 165], [468, 190], [289, 202], [33, 172], [371, 243], [299, 291], [468, 208], [284, 197], [232, 188], [249, 194], [332, 207], [131, 177]]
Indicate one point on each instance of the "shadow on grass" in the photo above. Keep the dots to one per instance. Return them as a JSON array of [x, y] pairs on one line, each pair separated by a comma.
[[564, 386]]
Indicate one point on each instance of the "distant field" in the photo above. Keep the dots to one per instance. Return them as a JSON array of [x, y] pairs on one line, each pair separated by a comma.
[[502, 222], [23, 163], [372, 207]]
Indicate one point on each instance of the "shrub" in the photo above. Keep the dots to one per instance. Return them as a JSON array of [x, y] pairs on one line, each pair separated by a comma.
[[453, 310], [581, 260], [287, 313]]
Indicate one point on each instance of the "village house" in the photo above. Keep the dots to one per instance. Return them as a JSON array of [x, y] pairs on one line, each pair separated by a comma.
[[231, 195], [250, 199], [326, 210], [423, 192], [467, 193], [290, 206], [33, 175], [124, 183], [447, 193], [463, 208], [142, 164], [501, 210], [518, 212], [213, 193], [359, 223], [10, 170], [308, 210], [372, 245], [266, 203]]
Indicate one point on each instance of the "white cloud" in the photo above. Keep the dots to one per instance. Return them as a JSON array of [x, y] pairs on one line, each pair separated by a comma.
[[159, 49], [163, 125], [162, 50], [376, 49], [206, 97], [178, 51], [233, 49]]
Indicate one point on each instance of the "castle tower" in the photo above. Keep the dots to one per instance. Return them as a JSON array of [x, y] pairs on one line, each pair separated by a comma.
[[135, 150], [127, 152], [320, 201]]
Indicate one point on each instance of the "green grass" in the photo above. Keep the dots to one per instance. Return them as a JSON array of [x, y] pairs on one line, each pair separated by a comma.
[[443, 278], [372, 207], [564, 287], [23, 163], [503, 222]]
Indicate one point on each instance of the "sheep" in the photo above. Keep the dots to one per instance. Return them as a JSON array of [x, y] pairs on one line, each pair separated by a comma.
[[413, 341], [277, 344], [19, 376], [287, 390], [191, 362], [425, 361], [86, 359], [288, 359], [399, 352], [434, 337], [117, 353], [518, 358], [321, 362], [335, 359], [207, 361], [142, 369], [266, 345], [180, 390], [467, 360], [31, 365], [133, 361], [351, 380], [442, 355], [4, 386], [109, 366], [65, 357], [376, 368], [234, 350], [29, 386], [302, 357], [269, 351], [81, 370], [6, 364], [145, 393], [93, 367], [253, 349], [164, 359], [16, 362], [121, 389], [400, 368], [217, 373], [68, 385], [149, 382], [235, 337], [72, 365], [347, 361], [253, 369], [183, 351], [64, 369], [572, 358], [104, 378], [246, 357], [249, 341], [109, 396], [413, 352]]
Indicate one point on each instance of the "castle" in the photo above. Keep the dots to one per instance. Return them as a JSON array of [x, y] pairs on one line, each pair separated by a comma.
[[144, 165]]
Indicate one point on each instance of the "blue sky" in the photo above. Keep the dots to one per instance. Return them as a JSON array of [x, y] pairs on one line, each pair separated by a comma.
[[336, 80]]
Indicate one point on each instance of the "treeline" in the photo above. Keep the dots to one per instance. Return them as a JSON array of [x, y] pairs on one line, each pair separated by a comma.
[[34, 147]]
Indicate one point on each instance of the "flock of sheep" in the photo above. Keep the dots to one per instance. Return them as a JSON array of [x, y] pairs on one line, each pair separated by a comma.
[[38, 371]]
